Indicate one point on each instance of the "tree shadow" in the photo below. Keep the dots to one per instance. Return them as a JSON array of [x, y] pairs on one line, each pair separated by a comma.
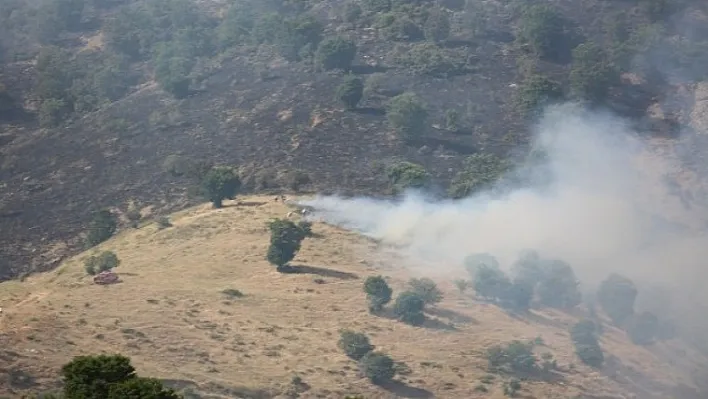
[[370, 111], [429, 323], [320, 271], [401, 389], [530, 317], [453, 316], [247, 203]]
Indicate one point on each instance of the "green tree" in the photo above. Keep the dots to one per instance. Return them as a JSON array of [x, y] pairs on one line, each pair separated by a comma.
[[378, 292], [102, 227], [407, 114], [587, 347], [480, 171], [378, 367], [529, 267], [437, 25], [592, 74], [537, 91], [616, 296], [559, 288], [143, 388], [335, 53], [490, 282], [408, 307], [404, 175], [220, 183], [427, 289], [285, 240], [473, 262], [519, 295], [355, 345], [350, 91], [172, 68], [643, 328], [104, 261], [542, 27], [91, 377]]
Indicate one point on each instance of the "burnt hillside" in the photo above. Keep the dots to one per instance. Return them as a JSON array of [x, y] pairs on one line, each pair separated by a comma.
[[104, 102]]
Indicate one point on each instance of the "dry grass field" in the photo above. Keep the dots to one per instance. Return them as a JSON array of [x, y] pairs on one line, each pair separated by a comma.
[[171, 316]]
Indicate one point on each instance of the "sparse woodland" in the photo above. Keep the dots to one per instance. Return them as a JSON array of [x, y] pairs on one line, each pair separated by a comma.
[[114, 113]]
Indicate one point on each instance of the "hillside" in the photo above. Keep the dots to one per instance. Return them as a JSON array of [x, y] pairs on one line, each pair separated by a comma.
[[105, 102], [172, 314]]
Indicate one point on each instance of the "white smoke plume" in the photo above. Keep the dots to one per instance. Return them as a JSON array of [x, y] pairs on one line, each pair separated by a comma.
[[602, 213]]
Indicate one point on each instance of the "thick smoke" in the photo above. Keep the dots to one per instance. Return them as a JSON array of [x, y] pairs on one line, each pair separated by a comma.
[[606, 210]]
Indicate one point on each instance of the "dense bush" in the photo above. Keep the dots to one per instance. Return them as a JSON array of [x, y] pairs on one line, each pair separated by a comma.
[[355, 345], [379, 368], [543, 28], [102, 227], [377, 292], [404, 175], [591, 74], [427, 289], [285, 240], [219, 184], [616, 295], [335, 53], [109, 377], [408, 307], [172, 68], [490, 282], [480, 172], [587, 347], [398, 27], [350, 91], [407, 114], [104, 261]]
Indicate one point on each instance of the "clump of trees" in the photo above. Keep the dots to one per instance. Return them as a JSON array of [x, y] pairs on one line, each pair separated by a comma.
[[480, 171], [104, 261], [285, 240], [377, 292], [220, 183], [587, 346], [407, 115]]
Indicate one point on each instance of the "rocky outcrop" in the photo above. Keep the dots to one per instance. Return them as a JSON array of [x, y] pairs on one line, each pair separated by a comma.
[[106, 277]]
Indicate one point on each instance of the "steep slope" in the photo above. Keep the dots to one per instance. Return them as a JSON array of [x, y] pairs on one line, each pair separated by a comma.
[[171, 316]]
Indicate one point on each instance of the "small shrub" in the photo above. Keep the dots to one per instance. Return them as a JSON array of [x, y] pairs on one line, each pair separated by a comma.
[[163, 222], [407, 114], [378, 292], [219, 184], [350, 91], [103, 225], [426, 289], [378, 367], [335, 53], [355, 345], [512, 387], [409, 308], [232, 293]]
